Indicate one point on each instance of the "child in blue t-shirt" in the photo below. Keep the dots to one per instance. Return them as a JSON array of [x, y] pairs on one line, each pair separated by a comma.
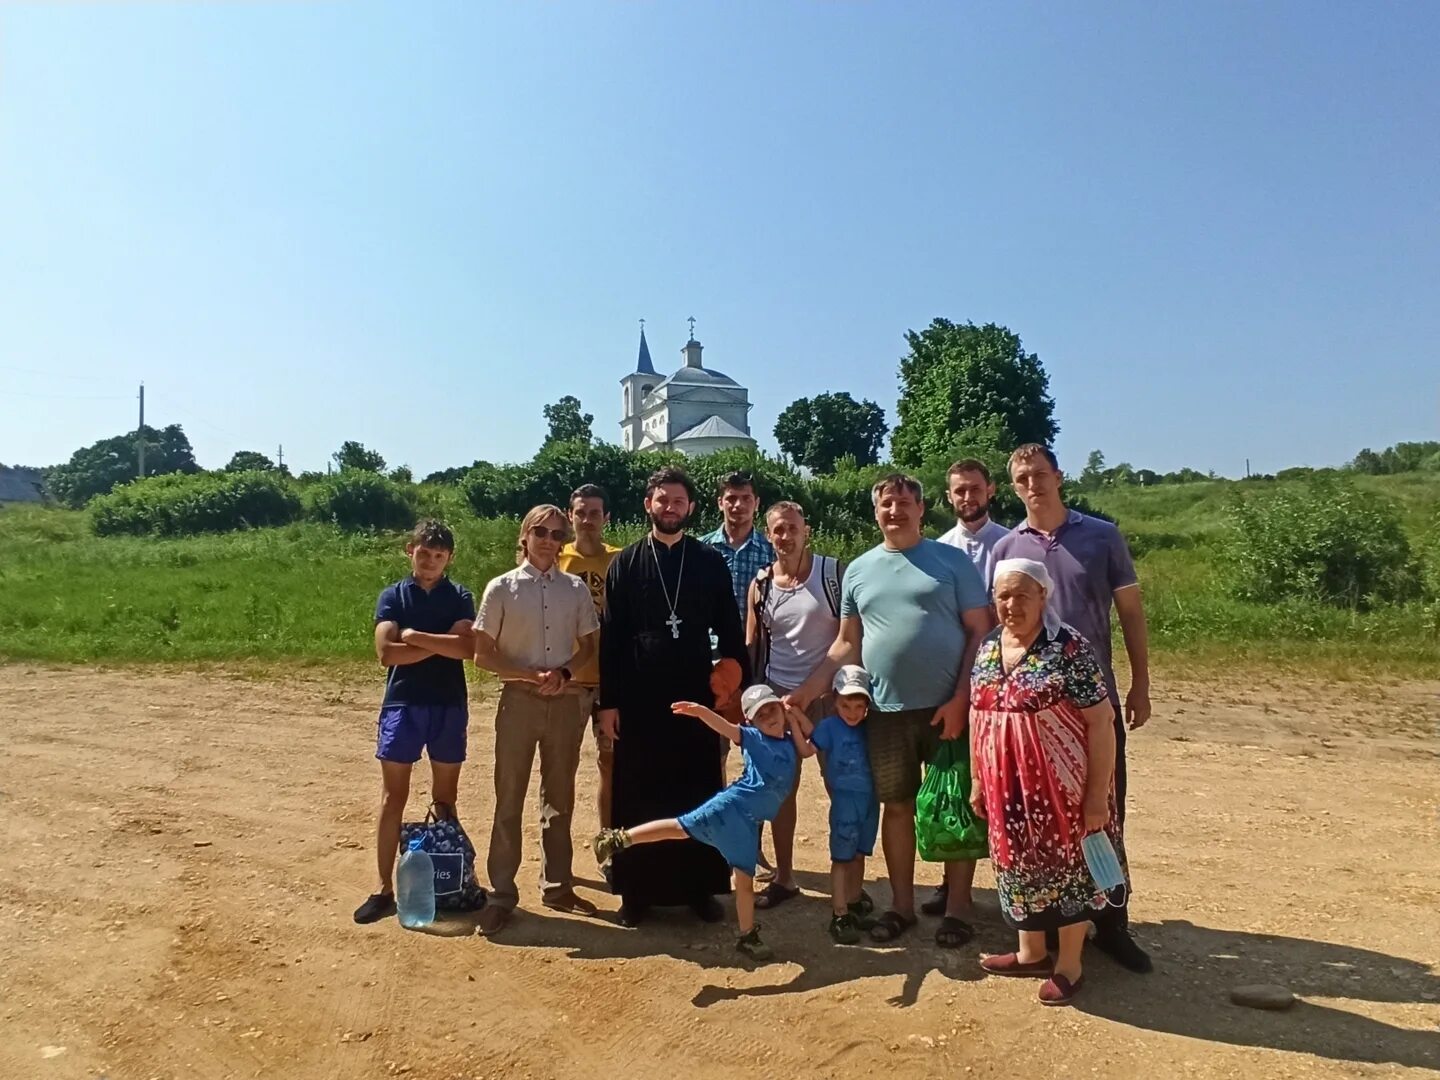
[[730, 820], [854, 810]]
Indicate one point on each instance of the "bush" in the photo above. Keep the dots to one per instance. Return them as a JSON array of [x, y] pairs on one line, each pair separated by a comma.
[[560, 467], [557, 470], [180, 503], [355, 499], [1324, 541]]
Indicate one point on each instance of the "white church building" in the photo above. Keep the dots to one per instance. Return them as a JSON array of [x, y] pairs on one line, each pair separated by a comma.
[[695, 410]]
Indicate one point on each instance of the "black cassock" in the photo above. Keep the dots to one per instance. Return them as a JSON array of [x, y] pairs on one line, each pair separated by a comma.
[[665, 765]]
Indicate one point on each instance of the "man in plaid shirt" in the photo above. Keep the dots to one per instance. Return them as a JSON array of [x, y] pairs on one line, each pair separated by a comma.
[[744, 548]]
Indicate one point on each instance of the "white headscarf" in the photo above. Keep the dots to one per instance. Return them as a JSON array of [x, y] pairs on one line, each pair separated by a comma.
[[1035, 570]]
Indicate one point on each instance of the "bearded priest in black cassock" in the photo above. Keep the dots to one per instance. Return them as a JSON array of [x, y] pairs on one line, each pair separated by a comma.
[[663, 597]]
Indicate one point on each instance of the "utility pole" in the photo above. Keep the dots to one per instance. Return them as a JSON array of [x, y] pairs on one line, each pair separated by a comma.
[[280, 455], [140, 434]]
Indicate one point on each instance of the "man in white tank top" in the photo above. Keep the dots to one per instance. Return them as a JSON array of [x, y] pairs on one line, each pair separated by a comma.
[[792, 616]]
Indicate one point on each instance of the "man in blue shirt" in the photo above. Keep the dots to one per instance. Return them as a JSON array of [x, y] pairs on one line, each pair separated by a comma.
[[422, 636], [743, 546], [912, 613]]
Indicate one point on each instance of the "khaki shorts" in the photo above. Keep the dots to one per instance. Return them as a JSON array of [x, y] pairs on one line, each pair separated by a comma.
[[899, 743]]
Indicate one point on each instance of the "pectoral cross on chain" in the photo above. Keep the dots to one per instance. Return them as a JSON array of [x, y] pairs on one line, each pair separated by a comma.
[[674, 622]]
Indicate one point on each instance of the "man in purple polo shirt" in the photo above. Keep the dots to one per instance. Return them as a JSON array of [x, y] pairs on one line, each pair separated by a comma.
[[1090, 564]]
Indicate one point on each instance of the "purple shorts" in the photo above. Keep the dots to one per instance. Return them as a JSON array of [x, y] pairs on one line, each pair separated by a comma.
[[405, 730]]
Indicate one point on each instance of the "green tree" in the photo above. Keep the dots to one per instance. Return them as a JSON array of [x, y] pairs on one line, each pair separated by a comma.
[[249, 461], [402, 474], [817, 432], [455, 473], [957, 378], [567, 422], [354, 457], [101, 466], [1093, 475]]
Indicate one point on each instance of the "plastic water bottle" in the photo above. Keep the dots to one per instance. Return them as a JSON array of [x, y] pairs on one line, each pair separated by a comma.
[[415, 887]]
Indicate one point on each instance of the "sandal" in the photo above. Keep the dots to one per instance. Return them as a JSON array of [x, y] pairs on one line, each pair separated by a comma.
[[1058, 990], [863, 906], [775, 894], [863, 919], [890, 926], [844, 930], [750, 945], [1011, 964], [953, 932]]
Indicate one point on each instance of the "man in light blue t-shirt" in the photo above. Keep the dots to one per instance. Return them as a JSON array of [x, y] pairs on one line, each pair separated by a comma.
[[912, 613]]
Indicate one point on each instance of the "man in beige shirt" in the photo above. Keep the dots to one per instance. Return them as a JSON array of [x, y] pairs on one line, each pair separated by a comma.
[[535, 626]]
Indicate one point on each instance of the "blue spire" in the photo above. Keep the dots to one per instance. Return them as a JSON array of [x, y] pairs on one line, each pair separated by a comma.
[[643, 366]]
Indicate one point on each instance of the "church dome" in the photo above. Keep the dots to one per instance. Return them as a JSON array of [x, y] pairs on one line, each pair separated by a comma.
[[699, 376]]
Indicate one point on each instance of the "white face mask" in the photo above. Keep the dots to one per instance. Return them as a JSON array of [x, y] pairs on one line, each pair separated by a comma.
[[1104, 864]]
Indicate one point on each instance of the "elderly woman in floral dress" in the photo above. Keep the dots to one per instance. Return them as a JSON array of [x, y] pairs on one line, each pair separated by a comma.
[[1042, 726]]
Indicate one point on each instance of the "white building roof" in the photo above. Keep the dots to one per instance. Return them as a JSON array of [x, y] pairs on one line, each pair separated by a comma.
[[712, 427]]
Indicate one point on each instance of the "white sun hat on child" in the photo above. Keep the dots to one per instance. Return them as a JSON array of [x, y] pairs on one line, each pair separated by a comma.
[[755, 699], [852, 679]]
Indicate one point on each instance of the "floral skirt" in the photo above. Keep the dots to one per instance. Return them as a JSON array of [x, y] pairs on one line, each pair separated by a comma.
[[1031, 767]]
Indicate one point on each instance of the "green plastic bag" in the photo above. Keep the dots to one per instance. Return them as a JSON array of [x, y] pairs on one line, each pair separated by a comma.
[[946, 828]]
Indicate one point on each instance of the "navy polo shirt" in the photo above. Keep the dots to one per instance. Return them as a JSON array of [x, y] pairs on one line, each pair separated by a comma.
[[436, 680]]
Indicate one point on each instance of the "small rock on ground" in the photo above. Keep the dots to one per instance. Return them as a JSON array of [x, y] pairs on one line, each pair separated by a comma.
[[1263, 996]]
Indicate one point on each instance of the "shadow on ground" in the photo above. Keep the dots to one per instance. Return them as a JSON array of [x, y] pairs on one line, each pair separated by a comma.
[[1196, 967], [1187, 995]]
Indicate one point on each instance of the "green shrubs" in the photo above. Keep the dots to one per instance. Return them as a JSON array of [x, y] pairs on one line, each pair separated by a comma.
[[560, 467], [355, 499], [1324, 541], [180, 503]]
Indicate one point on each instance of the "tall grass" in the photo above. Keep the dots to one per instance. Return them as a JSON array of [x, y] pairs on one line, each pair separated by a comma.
[[1179, 534], [305, 592]]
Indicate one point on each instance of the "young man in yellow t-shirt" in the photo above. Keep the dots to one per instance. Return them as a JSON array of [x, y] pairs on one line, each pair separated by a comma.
[[588, 558]]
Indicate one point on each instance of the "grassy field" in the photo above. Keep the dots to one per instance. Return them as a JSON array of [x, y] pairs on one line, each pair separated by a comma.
[[304, 593]]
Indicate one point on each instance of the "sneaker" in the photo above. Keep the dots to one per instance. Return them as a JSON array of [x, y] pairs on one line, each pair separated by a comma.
[[607, 842], [750, 945], [632, 914], [863, 906], [1124, 950], [844, 930], [379, 906]]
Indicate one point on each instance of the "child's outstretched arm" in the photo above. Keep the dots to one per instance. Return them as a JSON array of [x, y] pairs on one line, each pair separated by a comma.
[[712, 719]]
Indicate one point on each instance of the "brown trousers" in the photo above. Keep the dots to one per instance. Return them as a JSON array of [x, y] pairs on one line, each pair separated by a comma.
[[524, 723]]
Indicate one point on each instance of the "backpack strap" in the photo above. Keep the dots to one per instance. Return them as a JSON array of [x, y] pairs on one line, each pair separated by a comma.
[[760, 650], [830, 582]]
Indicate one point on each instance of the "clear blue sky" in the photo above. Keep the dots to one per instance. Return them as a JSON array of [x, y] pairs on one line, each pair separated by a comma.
[[415, 224]]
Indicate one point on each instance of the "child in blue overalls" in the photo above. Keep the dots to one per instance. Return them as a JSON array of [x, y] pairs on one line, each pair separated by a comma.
[[854, 810], [730, 821]]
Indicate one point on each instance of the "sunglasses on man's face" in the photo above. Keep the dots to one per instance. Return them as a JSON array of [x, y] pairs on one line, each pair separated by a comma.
[[541, 533]]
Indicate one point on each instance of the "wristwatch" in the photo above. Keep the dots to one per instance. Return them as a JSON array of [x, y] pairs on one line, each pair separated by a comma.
[[566, 672]]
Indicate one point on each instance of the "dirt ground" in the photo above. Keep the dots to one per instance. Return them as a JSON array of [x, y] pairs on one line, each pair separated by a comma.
[[180, 855]]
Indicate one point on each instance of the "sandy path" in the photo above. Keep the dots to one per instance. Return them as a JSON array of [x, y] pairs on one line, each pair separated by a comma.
[[180, 854]]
